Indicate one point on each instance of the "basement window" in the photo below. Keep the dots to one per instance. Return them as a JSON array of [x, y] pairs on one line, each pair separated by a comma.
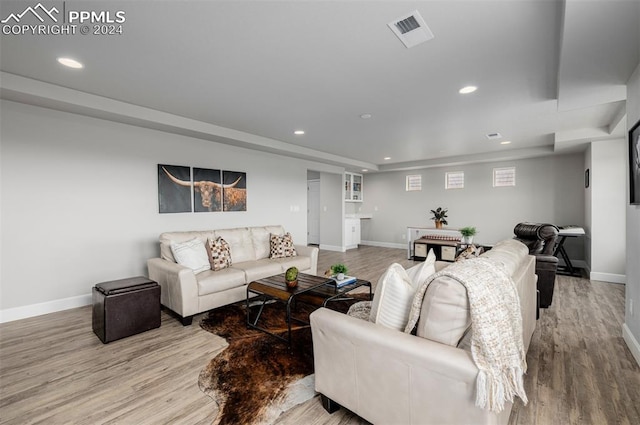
[[454, 180], [414, 182], [504, 177]]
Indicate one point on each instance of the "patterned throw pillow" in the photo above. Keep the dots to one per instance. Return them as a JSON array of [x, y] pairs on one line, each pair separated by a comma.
[[471, 252], [282, 246], [219, 254]]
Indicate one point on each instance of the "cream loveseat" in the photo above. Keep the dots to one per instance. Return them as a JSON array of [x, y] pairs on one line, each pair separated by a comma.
[[187, 293], [387, 376]]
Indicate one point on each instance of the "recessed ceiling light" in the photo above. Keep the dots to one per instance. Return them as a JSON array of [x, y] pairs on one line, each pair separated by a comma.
[[506, 142], [365, 116], [467, 89], [71, 63], [386, 158], [364, 170], [298, 132]]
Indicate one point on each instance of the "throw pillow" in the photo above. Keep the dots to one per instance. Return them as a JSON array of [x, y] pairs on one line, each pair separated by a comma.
[[282, 246], [470, 252], [192, 254], [418, 274], [392, 299], [360, 310], [219, 254]]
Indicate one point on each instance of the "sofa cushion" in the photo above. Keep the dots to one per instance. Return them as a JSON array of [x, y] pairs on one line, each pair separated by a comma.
[[261, 237], [392, 298], [211, 281], [419, 273], [282, 246], [219, 254], [301, 262], [258, 269], [509, 254], [445, 315], [192, 254], [240, 243]]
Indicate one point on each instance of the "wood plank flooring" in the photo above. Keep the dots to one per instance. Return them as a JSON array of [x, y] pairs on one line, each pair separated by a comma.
[[54, 370]]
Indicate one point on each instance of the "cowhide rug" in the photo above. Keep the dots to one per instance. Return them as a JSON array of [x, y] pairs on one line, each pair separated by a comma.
[[257, 377]]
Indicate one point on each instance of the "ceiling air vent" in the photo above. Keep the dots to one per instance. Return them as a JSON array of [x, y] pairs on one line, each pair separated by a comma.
[[411, 29], [494, 136]]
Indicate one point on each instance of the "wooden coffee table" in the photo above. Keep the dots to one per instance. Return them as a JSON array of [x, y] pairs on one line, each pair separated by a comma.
[[314, 290]]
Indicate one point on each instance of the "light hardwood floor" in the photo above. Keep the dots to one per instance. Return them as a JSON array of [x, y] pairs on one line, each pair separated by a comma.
[[54, 370]]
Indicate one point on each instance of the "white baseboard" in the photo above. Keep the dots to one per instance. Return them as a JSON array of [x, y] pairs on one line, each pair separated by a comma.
[[17, 313], [332, 248], [608, 277], [632, 342], [384, 244]]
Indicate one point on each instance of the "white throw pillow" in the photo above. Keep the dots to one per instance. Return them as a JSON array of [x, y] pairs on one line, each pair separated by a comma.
[[392, 300], [192, 254], [418, 274]]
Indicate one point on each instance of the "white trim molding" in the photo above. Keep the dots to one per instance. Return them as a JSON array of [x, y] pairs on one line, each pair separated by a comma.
[[632, 342], [332, 248], [385, 244], [608, 277], [24, 312]]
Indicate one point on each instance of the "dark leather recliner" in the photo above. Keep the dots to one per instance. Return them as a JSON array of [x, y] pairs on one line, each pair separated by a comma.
[[541, 239]]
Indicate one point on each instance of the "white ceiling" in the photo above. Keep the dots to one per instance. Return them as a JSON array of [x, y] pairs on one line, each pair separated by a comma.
[[551, 75]]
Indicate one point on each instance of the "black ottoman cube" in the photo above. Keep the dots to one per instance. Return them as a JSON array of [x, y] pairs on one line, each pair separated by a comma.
[[125, 307]]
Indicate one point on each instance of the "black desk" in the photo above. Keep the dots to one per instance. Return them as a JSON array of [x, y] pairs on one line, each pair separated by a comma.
[[564, 233]]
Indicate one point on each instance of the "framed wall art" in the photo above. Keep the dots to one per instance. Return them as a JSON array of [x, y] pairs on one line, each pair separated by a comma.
[[634, 164], [174, 189]]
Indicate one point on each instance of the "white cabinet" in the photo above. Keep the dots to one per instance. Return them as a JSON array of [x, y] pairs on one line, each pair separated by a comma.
[[353, 189], [351, 232]]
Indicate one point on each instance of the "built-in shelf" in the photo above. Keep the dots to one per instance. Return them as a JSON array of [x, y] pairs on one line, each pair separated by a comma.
[[353, 190]]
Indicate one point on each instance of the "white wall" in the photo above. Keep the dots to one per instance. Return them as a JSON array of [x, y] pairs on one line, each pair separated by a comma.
[[587, 211], [609, 198], [631, 329], [548, 189], [79, 201], [331, 211]]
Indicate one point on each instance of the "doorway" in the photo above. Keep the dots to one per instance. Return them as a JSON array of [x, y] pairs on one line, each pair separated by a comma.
[[313, 212]]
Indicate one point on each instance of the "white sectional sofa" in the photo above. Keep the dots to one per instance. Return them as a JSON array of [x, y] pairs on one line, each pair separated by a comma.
[[388, 376], [187, 293]]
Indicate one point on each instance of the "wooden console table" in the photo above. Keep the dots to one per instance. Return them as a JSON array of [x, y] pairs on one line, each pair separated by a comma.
[[416, 233]]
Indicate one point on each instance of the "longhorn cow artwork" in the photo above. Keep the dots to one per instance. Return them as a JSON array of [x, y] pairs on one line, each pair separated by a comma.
[[173, 198], [211, 187]]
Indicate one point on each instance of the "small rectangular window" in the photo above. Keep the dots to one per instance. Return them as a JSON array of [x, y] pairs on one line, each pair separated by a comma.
[[414, 182], [454, 180], [503, 177]]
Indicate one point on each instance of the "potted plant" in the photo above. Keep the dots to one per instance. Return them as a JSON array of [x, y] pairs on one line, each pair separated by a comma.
[[339, 270], [467, 234], [291, 277], [439, 217]]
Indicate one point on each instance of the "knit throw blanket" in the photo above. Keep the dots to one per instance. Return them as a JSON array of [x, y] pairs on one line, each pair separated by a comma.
[[497, 347]]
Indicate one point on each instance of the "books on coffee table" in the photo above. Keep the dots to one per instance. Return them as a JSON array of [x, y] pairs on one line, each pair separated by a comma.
[[343, 282]]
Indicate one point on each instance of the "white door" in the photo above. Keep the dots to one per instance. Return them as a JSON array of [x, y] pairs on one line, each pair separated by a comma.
[[313, 212]]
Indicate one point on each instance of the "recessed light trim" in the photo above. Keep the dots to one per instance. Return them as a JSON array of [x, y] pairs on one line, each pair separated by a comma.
[[298, 132], [386, 158], [71, 63], [505, 142], [467, 89]]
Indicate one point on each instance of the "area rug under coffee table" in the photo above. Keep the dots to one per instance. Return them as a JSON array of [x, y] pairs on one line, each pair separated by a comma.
[[257, 377]]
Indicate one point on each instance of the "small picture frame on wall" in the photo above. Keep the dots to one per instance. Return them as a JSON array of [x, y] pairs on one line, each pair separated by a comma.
[[586, 178]]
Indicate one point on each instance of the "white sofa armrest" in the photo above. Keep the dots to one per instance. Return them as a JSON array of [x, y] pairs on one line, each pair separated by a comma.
[[179, 287], [387, 376], [312, 252]]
